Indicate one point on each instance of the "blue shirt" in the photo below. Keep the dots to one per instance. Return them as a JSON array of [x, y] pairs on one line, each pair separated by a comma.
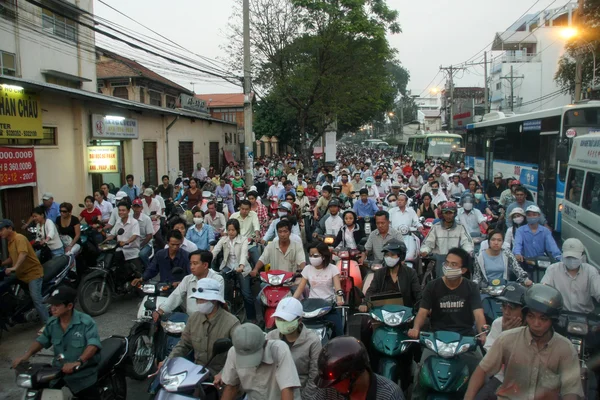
[[201, 238], [161, 262], [284, 193], [531, 245], [367, 209], [481, 205], [527, 203], [132, 192], [53, 211]]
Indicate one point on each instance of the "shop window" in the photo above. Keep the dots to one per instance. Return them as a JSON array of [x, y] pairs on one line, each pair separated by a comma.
[[58, 25], [574, 185], [63, 82], [121, 92], [150, 163], [7, 63], [155, 98], [49, 139], [171, 101]]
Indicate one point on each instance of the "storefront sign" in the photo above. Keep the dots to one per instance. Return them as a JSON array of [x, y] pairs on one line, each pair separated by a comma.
[[20, 114], [103, 159], [17, 167], [110, 127], [192, 103]]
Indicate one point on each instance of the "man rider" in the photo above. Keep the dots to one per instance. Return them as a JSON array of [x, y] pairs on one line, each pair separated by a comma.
[[365, 207], [577, 281], [416, 180], [380, 237], [215, 218], [129, 240], [403, 215], [347, 187], [453, 304], [455, 188], [538, 362], [372, 190], [534, 240], [146, 231], [285, 210], [199, 173], [471, 218], [445, 235], [437, 196], [285, 254], [496, 188], [332, 222], [426, 188], [522, 202], [133, 191], [74, 335]]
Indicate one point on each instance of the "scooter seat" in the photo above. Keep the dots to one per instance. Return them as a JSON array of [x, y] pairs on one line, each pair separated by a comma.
[[54, 266], [112, 351]]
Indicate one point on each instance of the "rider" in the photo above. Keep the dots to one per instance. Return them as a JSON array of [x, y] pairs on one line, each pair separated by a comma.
[[201, 234], [577, 281], [74, 335], [403, 215], [350, 235], [248, 219], [380, 237], [260, 209], [437, 195], [214, 218], [332, 222], [146, 231], [283, 253], [365, 207], [522, 202], [345, 373], [129, 240], [507, 197], [455, 187], [538, 362], [517, 216], [496, 188], [416, 180], [180, 225], [372, 191], [534, 240], [323, 203], [471, 218], [452, 304]]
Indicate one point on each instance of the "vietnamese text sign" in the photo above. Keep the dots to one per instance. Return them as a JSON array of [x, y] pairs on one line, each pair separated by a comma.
[[17, 167], [114, 127], [20, 114], [103, 159], [532, 125]]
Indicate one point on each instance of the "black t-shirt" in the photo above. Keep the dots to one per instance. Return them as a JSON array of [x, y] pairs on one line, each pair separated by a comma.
[[451, 310], [493, 191], [69, 230]]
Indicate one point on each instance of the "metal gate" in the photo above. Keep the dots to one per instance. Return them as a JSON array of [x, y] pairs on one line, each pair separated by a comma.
[[186, 158], [151, 163], [17, 204], [214, 155]]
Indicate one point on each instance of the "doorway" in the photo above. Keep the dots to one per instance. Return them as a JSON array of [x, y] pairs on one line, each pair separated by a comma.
[[214, 155], [150, 163], [186, 158], [17, 204]]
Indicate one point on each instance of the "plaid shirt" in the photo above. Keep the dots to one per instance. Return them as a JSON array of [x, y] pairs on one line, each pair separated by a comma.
[[263, 218]]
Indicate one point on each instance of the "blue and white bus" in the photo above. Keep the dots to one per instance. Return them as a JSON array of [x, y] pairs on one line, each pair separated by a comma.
[[533, 148]]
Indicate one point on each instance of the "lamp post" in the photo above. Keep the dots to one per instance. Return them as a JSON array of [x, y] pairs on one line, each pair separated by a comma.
[[571, 33]]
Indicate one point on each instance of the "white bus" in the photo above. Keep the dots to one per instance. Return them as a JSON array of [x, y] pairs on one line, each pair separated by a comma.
[[533, 148], [436, 145]]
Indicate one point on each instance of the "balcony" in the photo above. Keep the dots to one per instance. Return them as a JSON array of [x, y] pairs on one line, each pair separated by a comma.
[[518, 58]]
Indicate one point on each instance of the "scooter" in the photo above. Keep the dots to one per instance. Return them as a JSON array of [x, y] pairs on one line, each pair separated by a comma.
[[413, 244], [278, 287], [312, 317], [350, 273], [36, 378], [492, 308], [182, 379]]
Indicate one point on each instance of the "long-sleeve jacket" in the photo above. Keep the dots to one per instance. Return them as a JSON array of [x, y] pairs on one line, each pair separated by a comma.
[[340, 239], [440, 240], [510, 263], [408, 282], [240, 247]]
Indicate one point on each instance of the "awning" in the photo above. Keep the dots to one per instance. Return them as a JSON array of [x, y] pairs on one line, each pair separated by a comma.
[[229, 157], [64, 75]]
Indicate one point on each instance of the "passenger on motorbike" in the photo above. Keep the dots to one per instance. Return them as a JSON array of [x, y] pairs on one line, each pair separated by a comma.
[[261, 211], [497, 262], [380, 237], [517, 216], [453, 304], [46, 233], [481, 203], [427, 208], [471, 218], [350, 235], [69, 229], [538, 362], [365, 206], [90, 213], [214, 218], [305, 345], [508, 195], [534, 240], [180, 225], [522, 202], [345, 373], [373, 193], [403, 215], [103, 205], [225, 192], [576, 280], [146, 231], [201, 234], [74, 335], [310, 190], [301, 202], [285, 210], [331, 223], [323, 203], [324, 280], [437, 195], [120, 197]]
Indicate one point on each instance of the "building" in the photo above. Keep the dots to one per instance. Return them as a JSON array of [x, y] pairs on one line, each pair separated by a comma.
[[228, 107], [429, 113], [66, 138], [468, 107], [522, 75]]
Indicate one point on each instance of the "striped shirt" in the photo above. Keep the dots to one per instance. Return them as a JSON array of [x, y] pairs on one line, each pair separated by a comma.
[[380, 388]]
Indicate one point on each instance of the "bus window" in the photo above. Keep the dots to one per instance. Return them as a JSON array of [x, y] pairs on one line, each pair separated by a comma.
[[574, 185], [591, 193], [418, 145]]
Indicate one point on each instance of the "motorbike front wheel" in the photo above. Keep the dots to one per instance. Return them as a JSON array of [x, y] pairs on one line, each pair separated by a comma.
[[142, 356], [95, 296]]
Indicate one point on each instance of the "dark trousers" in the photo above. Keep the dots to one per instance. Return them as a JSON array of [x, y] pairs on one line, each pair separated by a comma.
[[488, 391]]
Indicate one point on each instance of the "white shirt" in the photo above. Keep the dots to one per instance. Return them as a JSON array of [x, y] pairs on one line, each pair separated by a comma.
[[438, 198], [187, 245], [48, 231], [105, 208], [495, 331], [181, 294], [455, 189], [577, 291], [153, 207], [321, 281], [161, 201], [373, 192], [470, 220], [145, 226], [386, 185], [415, 183], [131, 228], [407, 217], [333, 224]]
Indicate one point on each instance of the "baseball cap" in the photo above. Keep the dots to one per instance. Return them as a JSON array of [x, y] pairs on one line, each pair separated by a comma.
[[207, 289], [62, 295], [333, 202], [289, 309], [396, 185], [47, 196], [120, 195], [533, 208], [148, 192], [286, 206], [498, 175], [248, 342], [571, 248], [517, 210], [5, 223], [137, 202], [300, 189]]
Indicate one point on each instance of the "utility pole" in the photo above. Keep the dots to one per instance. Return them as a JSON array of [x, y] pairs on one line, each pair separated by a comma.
[[451, 71], [512, 80], [248, 142], [401, 117], [485, 82], [579, 56]]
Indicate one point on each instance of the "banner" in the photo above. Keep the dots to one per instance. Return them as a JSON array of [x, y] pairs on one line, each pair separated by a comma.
[[20, 114], [103, 159], [114, 127], [17, 167]]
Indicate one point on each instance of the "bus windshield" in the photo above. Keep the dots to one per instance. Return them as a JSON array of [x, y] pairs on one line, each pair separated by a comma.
[[441, 147], [583, 117]]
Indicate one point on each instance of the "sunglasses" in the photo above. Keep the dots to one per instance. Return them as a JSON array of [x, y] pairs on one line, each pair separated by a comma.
[[64, 211]]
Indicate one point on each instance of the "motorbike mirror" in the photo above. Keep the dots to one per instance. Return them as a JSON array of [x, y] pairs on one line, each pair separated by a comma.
[[121, 231], [422, 219], [81, 205], [222, 346]]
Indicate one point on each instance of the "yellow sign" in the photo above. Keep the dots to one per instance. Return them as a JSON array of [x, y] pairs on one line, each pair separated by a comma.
[[20, 114], [103, 159]]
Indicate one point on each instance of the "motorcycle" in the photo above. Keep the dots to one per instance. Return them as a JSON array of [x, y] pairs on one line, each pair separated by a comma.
[[36, 378], [278, 287], [313, 311], [240, 194], [536, 267], [182, 379], [105, 280], [427, 224], [492, 308], [350, 274], [413, 244]]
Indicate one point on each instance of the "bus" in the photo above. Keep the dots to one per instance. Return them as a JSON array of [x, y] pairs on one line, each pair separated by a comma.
[[436, 145], [370, 143], [532, 147]]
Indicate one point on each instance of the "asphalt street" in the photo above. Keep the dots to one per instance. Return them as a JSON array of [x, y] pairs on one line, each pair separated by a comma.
[[14, 343]]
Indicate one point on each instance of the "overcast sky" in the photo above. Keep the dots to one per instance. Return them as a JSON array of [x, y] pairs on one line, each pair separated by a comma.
[[435, 32]]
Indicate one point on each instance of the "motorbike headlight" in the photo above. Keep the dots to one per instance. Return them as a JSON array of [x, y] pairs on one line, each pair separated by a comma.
[[329, 240], [149, 289], [173, 327], [392, 318], [544, 264], [375, 317], [275, 280], [496, 290], [375, 267], [464, 348], [171, 382], [429, 345], [446, 350], [577, 328], [316, 313], [404, 230], [409, 264], [344, 254], [24, 381]]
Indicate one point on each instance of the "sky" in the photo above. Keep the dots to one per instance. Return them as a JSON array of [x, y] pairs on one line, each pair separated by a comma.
[[434, 33]]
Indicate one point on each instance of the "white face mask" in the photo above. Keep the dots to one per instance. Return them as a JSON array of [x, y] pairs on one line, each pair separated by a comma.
[[468, 206], [572, 263], [198, 221], [452, 273], [315, 261], [281, 213], [391, 262], [206, 308], [518, 220]]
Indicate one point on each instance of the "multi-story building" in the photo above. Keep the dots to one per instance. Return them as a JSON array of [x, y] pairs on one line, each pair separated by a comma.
[[467, 107]]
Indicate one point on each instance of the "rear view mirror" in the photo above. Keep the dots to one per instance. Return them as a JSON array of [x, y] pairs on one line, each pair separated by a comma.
[[222, 346], [81, 205]]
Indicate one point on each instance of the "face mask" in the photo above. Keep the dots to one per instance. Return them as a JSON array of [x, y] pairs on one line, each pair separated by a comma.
[[434, 190], [315, 261], [452, 273], [281, 213], [468, 206], [198, 221], [300, 194], [479, 196], [533, 220], [572, 262], [391, 262], [206, 308], [285, 327], [518, 220]]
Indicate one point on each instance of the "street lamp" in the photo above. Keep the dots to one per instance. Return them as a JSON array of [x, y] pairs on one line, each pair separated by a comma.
[[434, 90], [570, 33]]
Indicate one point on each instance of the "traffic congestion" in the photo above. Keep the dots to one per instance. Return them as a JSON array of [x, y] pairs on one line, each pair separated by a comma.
[[376, 274]]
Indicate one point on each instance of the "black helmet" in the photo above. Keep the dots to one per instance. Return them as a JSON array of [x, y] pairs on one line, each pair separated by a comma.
[[513, 293], [343, 357], [544, 299], [396, 247]]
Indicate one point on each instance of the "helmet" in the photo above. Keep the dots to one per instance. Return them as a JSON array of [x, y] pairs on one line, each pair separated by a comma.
[[544, 299], [252, 193], [515, 182], [334, 203], [337, 186], [285, 206], [396, 247], [342, 358], [467, 198], [517, 210], [449, 206], [513, 293]]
